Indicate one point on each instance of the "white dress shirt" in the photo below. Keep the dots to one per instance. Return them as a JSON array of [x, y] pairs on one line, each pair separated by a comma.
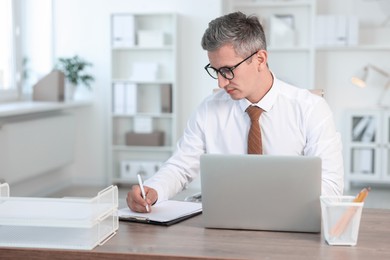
[[294, 122]]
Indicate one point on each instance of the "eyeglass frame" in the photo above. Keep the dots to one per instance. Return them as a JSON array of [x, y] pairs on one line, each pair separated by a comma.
[[227, 68]]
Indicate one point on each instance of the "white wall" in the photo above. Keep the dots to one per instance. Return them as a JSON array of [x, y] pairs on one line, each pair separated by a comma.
[[83, 28], [335, 67]]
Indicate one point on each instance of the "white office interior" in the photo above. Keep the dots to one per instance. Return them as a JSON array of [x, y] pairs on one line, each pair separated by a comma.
[[64, 28]]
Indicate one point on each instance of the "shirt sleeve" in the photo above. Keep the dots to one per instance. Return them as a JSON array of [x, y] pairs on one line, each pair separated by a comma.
[[183, 166], [324, 141]]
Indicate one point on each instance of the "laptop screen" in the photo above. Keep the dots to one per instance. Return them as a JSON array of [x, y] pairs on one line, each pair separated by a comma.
[[278, 193]]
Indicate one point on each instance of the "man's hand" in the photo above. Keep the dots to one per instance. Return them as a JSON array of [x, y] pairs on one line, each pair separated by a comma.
[[137, 203]]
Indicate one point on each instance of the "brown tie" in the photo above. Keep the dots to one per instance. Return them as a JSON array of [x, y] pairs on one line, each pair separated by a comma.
[[254, 136]]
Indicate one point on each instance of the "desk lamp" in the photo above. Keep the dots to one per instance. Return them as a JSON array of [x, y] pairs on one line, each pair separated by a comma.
[[362, 79]]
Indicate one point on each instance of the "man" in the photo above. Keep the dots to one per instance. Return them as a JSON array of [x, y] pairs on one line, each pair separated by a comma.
[[293, 121]]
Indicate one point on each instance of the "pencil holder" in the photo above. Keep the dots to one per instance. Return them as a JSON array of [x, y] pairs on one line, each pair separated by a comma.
[[341, 219]]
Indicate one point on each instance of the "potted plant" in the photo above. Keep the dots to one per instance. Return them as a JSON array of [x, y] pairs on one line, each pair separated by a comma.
[[74, 70]]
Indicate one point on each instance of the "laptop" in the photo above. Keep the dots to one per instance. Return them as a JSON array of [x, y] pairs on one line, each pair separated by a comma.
[[274, 193]]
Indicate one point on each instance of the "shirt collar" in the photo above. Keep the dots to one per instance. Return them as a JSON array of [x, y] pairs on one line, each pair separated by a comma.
[[267, 101]]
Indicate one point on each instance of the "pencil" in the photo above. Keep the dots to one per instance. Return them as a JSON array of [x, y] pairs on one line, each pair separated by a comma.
[[362, 195], [340, 226]]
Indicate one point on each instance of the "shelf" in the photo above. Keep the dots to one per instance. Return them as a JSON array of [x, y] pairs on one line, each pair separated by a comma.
[[144, 48], [142, 96], [353, 48], [283, 4], [123, 181], [367, 178], [124, 148], [290, 49], [30, 107], [364, 145], [154, 115], [155, 82]]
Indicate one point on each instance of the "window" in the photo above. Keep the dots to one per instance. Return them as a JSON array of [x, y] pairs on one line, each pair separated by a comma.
[[8, 79], [24, 57]]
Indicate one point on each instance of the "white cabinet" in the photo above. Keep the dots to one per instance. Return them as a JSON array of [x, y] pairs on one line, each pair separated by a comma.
[[142, 114], [367, 146], [289, 29]]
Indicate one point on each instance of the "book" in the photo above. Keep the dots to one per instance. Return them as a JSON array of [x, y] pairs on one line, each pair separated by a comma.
[[166, 98], [164, 213]]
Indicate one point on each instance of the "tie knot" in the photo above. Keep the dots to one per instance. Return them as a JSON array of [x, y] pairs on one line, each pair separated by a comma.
[[254, 112]]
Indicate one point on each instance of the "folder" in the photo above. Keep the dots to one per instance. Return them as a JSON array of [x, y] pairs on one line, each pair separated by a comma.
[[123, 31], [130, 98], [165, 213], [50, 88], [119, 106]]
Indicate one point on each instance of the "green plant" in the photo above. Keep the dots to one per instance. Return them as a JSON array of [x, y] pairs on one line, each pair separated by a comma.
[[25, 68], [73, 68]]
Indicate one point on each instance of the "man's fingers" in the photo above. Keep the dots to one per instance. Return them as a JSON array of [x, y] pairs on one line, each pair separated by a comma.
[[136, 202]]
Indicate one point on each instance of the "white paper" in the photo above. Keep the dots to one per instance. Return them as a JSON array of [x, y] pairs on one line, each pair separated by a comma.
[[164, 211]]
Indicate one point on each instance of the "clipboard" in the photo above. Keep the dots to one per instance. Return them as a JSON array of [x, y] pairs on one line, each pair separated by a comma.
[[165, 213]]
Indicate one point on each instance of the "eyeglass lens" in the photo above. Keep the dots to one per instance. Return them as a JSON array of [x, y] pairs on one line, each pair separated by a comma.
[[226, 72]]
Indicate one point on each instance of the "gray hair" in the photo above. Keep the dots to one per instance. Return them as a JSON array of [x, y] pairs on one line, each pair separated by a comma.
[[244, 33]]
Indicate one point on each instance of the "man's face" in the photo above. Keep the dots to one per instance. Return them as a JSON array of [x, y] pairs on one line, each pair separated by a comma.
[[246, 81]]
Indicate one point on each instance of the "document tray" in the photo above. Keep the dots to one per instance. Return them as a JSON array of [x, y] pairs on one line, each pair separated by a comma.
[[61, 223]]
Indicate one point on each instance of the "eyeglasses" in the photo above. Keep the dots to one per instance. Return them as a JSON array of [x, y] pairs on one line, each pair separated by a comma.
[[226, 72]]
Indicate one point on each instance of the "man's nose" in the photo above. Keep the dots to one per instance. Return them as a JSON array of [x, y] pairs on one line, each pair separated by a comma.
[[222, 81]]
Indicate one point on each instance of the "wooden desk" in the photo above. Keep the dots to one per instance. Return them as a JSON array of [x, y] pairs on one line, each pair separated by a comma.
[[189, 240]]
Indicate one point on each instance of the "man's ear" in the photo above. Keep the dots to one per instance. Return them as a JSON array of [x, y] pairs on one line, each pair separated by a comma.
[[262, 57]]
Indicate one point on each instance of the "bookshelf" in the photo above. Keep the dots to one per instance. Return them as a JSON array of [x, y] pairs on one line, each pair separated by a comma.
[[143, 87]]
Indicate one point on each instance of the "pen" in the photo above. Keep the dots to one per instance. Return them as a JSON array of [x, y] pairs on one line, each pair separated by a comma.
[[141, 185]]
